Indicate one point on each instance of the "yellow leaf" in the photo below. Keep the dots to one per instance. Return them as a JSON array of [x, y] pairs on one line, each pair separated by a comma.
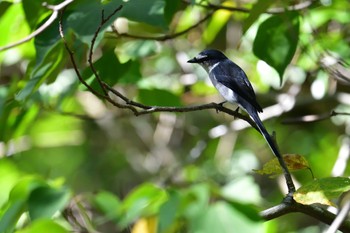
[[322, 190], [145, 225]]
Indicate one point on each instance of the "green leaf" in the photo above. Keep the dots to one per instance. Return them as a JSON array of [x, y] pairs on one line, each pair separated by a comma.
[[248, 210], [276, 40], [322, 190], [43, 202], [34, 11], [86, 15], [43, 226], [48, 66], [16, 205], [144, 200], [112, 71], [258, 8], [4, 5], [216, 23], [158, 97], [138, 49], [170, 9], [150, 12], [108, 203], [168, 211], [10, 214], [221, 217]]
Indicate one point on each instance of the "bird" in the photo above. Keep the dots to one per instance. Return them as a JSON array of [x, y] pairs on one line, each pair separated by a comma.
[[232, 83]]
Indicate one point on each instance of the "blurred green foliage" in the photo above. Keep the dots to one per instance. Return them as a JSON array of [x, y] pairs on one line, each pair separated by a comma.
[[70, 161]]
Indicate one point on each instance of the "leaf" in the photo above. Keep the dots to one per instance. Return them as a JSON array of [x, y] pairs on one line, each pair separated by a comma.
[[168, 211], [293, 161], [216, 23], [258, 8], [150, 12], [4, 5], [108, 203], [42, 226], [276, 40], [158, 97], [322, 190], [144, 200], [34, 11], [145, 225], [221, 217], [48, 66], [112, 71], [170, 9], [43, 202], [16, 204]]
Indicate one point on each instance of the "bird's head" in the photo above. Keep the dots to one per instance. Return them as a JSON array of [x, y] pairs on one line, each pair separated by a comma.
[[208, 58]]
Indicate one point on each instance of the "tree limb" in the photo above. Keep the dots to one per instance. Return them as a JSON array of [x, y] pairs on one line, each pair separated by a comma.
[[55, 9], [314, 211]]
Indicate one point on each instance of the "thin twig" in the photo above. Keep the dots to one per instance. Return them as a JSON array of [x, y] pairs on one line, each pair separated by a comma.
[[71, 55], [55, 9], [163, 37], [314, 118], [92, 67], [278, 10]]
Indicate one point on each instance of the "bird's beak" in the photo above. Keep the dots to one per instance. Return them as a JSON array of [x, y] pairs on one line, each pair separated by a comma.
[[193, 60]]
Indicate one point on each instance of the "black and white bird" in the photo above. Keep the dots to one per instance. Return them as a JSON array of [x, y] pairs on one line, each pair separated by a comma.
[[232, 83]]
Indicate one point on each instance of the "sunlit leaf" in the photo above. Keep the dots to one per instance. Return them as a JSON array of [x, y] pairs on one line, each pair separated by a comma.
[[276, 40], [42, 226], [216, 23], [322, 191], [145, 225]]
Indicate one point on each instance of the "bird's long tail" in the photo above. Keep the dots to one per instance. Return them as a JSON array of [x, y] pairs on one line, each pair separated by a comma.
[[273, 147]]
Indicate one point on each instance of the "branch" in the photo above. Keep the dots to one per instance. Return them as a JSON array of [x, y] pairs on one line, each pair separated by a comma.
[[163, 37], [278, 10], [103, 21], [55, 9], [136, 107], [314, 118], [316, 212]]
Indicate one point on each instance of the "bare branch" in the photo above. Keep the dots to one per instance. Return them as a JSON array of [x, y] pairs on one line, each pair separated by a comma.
[[279, 10], [103, 21], [55, 9], [314, 118], [163, 37], [316, 212]]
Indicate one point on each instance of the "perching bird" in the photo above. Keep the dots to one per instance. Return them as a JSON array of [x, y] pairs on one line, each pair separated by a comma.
[[233, 84]]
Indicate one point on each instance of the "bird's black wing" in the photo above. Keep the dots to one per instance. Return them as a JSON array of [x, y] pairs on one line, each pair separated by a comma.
[[233, 77]]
